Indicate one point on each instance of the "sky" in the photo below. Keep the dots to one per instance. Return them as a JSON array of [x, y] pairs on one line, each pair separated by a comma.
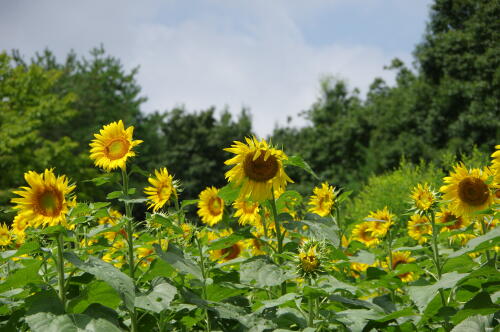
[[264, 55]]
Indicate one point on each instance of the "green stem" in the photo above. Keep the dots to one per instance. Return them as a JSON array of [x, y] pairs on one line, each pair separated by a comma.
[[339, 225], [279, 236], [487, 253], [60, 268], [311, 307], [435, 251], [204, 275], [130, 242]]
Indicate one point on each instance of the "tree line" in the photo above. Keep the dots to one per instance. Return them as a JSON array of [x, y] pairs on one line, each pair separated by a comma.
[[448, 102]]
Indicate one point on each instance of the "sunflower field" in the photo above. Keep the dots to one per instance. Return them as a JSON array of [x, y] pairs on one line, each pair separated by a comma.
[[258, 257]]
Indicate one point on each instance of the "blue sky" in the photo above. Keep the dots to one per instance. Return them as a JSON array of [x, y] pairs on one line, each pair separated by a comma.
[[266, 55]]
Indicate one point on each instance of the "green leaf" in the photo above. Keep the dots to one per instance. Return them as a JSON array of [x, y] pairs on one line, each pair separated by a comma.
[[483, 242], [277, 302], [317, 228], [100, 180], [261, 272], [122, 283], [297, 161], [364, 257], [188, 202], [114, 194], [22, 277], [95, 292], [225, 242], [480, 304], [175, 257], [229, 192], [288, 317], [26, 248], [476, 323], [44, 301], [422, 295], [158, 299], [396, 314], [48, 322]]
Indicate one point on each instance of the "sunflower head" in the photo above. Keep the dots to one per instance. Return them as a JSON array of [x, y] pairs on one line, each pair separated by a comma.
[[258, 169], [161, 189], [450, 222], [19, 224], [112, 219], [229, 253], [402, 257], [423, 197], [381, 221], [46, 201], [357, 268], [418, 227], [322, 200], [311, 255], [495, 166], [247, 212], [468, 190], [112, 146], [210, 206], [365, 233], [5, 237]]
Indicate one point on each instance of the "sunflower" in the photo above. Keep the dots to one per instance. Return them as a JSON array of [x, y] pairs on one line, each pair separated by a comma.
[[496, 166], [418, 227], [381, 221], [311, 253], [111, 148], [229, 253], [402, 257], [258, 168], [322, 199], [357, 268], [5, 237], [467, 190], [462, 238], [210, 206], [19, 224], [45, 201], [445, 217], [365, 233], [162, 188], [247, 211], [423, 197], [112, 219]]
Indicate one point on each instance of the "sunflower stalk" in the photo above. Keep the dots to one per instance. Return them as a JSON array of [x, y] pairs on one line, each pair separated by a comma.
[[489, 261], [311, 306], [435, 251], [60, 268], [204, 281], [279, 236], [130, 242]]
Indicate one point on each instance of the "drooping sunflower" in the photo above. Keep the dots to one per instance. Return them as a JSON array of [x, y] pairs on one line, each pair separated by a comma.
[[247, 211], [450, 221], [5, 237], [113, 146], [45, 201], [258, 168], [467, 190], [365, 233], [424, 198], [322, 200], [418, 227], [381, 221], [402, 257], [162, 188], [210, 206]]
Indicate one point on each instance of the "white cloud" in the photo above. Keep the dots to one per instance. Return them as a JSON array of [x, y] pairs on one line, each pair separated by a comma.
[[255, 56]]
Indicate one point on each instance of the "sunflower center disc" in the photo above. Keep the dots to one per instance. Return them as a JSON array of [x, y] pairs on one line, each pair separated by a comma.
[[473, 191], [231, 252], [50, 203], [215, 206], [117, 148], [164, 193], [260, 170]]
